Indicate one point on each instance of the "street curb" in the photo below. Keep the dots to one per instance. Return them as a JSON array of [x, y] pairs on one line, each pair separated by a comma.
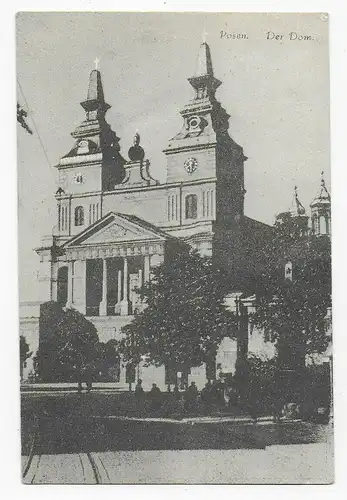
[[198, 420]]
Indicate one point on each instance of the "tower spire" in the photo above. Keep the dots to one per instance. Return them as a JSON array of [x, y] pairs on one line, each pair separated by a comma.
[[203, 81], [94, 137], [95, 105], [323, 196], [321, 210], [297, 208]]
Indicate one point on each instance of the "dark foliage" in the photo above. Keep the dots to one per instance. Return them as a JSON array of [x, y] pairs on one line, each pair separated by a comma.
[[293, 313], [21, 118], [185, 317], [68, 345], [25, 353]]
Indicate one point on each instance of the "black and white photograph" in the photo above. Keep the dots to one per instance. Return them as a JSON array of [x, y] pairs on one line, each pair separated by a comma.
[[174, 242]]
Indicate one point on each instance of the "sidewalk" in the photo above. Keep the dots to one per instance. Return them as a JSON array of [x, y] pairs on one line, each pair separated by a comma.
[[182, 419], [71, 387]]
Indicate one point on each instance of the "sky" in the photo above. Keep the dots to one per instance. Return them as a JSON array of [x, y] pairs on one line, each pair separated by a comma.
[[276, 91]]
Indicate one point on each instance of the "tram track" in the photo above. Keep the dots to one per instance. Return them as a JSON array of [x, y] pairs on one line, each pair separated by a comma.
[[92, 468]]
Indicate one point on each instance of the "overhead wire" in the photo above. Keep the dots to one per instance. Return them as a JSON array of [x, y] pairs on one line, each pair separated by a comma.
[[34, 125]]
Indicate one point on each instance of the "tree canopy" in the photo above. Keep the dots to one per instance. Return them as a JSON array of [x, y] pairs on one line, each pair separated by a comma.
[[21, 118], [184, 319], [25, 353], [293, 312], [68, 344]]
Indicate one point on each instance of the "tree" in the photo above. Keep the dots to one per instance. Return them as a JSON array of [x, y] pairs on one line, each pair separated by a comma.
[[261, 388], [68, 344], [21, 118], [292, 313], [184, 319], [25, 353], [108, 361]]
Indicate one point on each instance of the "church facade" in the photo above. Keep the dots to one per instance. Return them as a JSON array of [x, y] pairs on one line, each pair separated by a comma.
[[115, 222]]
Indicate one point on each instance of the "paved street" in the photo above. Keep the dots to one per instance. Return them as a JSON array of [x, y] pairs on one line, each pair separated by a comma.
[[300, 464], [162, 451]]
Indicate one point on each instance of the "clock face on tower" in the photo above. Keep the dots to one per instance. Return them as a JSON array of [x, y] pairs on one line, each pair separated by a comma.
[[190, 165], [79, 178]]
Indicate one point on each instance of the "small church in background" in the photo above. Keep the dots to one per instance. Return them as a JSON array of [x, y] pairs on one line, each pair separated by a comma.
[[115, 222]]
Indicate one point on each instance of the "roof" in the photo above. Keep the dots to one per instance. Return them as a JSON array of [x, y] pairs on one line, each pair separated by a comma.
[[323, 196], [118, 227]]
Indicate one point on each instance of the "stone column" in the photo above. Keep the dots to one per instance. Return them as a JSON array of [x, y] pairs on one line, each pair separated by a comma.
[[70, 266], [54, 284], [125, 302], [103, 303], [80, 286], [119, 284], [118, 306], [45, 276], [139, 285], [147, 269]]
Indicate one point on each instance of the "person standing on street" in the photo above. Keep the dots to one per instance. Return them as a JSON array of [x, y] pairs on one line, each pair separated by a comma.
[[154, 396]]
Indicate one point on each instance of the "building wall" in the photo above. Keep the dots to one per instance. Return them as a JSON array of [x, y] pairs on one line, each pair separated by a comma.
[[91, 175], [29, 327], [205, 157]]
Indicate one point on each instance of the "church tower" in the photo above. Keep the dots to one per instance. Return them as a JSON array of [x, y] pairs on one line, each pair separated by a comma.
[[203, 148], [94, 165], [209, 166], [294, 223], [321, 211]]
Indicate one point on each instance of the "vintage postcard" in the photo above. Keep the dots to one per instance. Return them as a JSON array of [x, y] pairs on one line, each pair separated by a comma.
[[174, 243]]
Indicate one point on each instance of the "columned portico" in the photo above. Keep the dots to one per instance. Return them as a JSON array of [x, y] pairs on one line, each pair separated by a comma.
[[109, 261]]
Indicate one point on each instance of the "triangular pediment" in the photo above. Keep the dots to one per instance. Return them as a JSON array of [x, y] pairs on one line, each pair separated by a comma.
[[117, 228]]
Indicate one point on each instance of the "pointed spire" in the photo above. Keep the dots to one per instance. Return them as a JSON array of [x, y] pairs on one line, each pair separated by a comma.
[[94, 134], [297, 208], [95, 96], [204, 62], [323, 196], [203, 81]]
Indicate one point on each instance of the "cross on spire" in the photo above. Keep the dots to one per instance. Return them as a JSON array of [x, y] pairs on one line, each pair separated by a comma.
[[204, 36], [96, 62]]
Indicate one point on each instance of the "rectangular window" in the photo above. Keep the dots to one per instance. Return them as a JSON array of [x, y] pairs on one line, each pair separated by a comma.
[[72, 280], [168, 209], [93, 213], [63, 218], [172, 207], [191, 206]]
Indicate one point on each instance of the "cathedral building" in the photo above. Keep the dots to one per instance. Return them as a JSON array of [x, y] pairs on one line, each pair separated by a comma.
[[115, 222]]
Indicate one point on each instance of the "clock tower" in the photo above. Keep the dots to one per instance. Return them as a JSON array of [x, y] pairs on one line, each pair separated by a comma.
[[93, 166], [203, 149]]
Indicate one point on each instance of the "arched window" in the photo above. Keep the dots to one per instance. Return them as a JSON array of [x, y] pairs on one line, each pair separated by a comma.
[[315, 224], [323, 225], [79, 216], [191, 206]]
